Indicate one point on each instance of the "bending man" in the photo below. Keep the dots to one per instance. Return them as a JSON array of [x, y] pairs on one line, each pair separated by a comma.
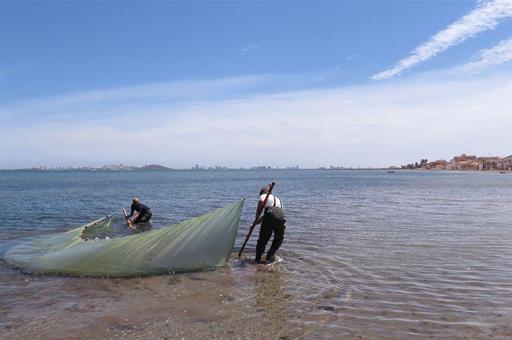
[[142, 213], [273, 221]]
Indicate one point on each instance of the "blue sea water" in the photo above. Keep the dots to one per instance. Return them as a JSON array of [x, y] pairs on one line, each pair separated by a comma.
[[367, 253]]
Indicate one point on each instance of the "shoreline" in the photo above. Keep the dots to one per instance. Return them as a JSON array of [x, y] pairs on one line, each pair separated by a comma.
[[256, 170]]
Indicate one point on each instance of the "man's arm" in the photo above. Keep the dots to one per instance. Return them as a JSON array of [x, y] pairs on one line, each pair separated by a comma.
[[134, 218]]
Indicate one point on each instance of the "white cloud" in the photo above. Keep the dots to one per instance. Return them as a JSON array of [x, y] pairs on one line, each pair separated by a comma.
[[104, 104], [249, 48], [373, 125], [347, 59], [485, 17], [486, 58]]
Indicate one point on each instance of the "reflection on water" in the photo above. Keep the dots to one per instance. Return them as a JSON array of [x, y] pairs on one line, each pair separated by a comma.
[[376, 255]]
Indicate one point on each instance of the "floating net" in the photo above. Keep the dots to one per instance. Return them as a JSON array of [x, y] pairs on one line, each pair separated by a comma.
[[203, 242]]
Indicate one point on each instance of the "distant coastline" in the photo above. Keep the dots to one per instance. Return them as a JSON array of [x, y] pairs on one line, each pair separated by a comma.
[[462, 163], [465, 162]]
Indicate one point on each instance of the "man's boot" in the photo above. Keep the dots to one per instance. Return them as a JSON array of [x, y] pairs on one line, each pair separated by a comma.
[[257, 259], [270, 257]]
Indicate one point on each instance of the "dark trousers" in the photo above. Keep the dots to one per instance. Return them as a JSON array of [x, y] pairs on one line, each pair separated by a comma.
[[144, 218], [267, 228]]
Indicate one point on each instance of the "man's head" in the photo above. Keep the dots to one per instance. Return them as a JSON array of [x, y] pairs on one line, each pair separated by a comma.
[[135, 200], [264, 190]]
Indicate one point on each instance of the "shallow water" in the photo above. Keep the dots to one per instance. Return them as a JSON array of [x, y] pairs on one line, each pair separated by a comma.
[[367, 254]]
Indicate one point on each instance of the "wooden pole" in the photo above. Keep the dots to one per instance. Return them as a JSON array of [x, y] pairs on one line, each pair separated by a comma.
[[256, 219], [126, 219]]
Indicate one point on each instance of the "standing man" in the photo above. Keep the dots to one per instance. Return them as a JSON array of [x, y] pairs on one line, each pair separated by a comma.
[[273, 221], [143, 213]]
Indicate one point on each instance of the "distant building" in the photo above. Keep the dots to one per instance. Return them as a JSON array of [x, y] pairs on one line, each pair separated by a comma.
[[117, 167], [472, 162], [496, 163], [437, 165], [463, 158]]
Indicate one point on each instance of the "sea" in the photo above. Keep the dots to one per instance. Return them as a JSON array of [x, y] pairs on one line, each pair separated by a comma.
[[367, 254]]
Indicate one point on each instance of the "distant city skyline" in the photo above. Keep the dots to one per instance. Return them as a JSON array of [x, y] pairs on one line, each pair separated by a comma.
[[440, 164], [354, 84]]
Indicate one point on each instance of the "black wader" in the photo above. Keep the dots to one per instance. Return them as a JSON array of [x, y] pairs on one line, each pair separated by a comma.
[[144, 213], [143, 218], [273, 222]]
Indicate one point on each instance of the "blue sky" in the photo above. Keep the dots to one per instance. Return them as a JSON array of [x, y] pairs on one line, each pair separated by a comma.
[[243, 83]]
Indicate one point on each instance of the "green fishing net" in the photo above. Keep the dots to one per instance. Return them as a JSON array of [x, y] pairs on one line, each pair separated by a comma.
[[203, 242], [98, 229]]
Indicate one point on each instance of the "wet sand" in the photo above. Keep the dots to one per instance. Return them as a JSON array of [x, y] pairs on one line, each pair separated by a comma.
[[241, 300]]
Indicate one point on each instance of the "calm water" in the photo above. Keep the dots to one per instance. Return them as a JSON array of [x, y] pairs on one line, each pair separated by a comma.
[[367, 254]]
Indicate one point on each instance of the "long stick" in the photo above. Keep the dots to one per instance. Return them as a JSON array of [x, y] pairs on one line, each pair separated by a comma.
[[256, 219], [126, 219]]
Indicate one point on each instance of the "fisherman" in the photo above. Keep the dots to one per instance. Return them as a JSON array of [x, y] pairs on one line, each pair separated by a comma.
[[272, 221], [143, 213]]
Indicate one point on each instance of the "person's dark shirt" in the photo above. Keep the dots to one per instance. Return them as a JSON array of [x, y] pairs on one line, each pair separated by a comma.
[[140, 208]]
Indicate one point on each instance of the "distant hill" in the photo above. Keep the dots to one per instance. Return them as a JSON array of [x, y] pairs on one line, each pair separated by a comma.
[[154, 167]]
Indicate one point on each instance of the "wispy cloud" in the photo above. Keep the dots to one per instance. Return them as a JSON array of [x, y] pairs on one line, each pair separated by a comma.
[[347, 59], [486, 16], [100, 102], [249, 48], [486, 58], [379, 124]]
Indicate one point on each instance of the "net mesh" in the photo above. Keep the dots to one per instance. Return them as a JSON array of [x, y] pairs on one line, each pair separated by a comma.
[[101, 229], [203, 242]]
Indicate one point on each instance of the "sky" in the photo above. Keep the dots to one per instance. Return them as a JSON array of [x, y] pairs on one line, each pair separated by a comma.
[[248, 83]]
